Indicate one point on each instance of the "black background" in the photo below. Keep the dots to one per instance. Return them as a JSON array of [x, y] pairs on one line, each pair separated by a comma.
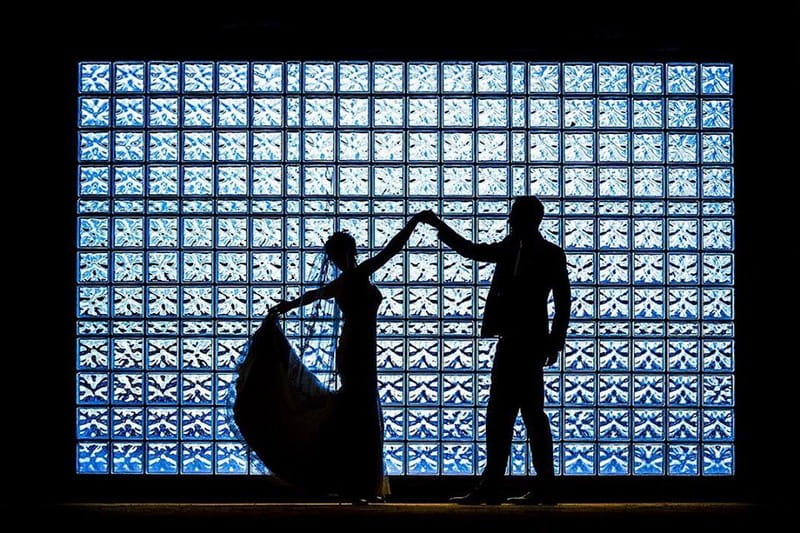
[[42, 47]]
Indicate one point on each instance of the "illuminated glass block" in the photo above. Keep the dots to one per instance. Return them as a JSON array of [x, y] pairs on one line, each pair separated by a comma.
[[388, 77], [612, 78], [579, 459], [423, 459], [129, 77], [647, 78], [648, 424], [648, 459], [92, 458], [614, 390], [717, 148], [683, 460], [578, 78], [613, 459]]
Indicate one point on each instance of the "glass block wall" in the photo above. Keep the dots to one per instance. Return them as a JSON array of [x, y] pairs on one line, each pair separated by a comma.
[[207, 189]]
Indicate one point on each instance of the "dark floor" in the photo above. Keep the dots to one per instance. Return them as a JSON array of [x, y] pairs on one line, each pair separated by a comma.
[[588, 517]]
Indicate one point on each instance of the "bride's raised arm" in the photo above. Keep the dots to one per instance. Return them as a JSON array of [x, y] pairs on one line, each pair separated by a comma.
[[392, 247], [323, 293]]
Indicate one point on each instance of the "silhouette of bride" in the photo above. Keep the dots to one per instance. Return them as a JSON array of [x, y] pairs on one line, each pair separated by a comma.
[[305, 433]]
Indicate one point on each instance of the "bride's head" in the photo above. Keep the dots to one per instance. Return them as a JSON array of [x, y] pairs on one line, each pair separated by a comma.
[[341, 249]]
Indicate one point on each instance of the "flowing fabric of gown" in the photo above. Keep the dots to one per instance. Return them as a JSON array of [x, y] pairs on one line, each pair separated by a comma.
[[317, 439]]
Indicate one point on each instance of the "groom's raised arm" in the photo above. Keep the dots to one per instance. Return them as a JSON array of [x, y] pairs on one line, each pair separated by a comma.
[[489, 253]]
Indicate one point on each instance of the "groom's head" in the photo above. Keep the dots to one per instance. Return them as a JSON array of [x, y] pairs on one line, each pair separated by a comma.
[[526, 214]]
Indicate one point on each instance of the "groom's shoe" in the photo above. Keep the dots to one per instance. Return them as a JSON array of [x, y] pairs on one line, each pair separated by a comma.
[[533, 498], [483, 493]]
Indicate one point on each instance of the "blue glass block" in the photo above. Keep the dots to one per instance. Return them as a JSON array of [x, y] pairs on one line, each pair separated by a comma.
[[648, 147], [649, 304], [92, 353], [93, 301], [648, 113], [613, 424], [579, 424], [458, 389], [578, 78], [423, 77], [92, 423], [648, 459], [648, 235], [613, 303], [492, 78], [492, 147], [578, 113], [614, 390], [717, 425], [198, 146], [162, 423], [127, 423], [648, 390], [423, 389], [388, 77], [230, 458], [95, 77], [394, 424], [579, 147], [613, 269], [717, 459], [717, 114], [613, 459], [717, 148], [647, 79], [162, 388], [423, 459], [612, 78], [128, 181], [267, 77], [457, 112], [163, 112], [232, 146], [423, 424], [198, 77], [681, 79], [583, 303], [682, 148], [493, 112], [388, 146], [232, 112], [94, 112], [648, 424], [93, 181], [683, 355], [162, 354], [163, 77], [92, 458], [129, 77], [197, 458], [579, 459], [458, 459], [613, 234], [717, 234], [579, 234], [421, 147], [391, 389], [388, 112], [163, 146], [128, 302], [394, 458], [232, 77], [716, 79], [92, 267], [579, 355], [612, 113], [127, 389], [127, 353], [718, 355], [457, 77], [683, 181], [129, 146], [682, 424], [93, 146], [683, 460], [457, 147], [544, 112], [129, 112], [196, 424], [683, 390], [682, 113], [717, 390], [683, 235]]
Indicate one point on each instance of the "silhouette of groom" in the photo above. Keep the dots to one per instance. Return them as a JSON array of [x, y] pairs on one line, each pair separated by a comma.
[[528, 269]]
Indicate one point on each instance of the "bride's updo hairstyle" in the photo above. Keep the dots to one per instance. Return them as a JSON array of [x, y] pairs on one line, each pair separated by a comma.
[[339, 246]]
